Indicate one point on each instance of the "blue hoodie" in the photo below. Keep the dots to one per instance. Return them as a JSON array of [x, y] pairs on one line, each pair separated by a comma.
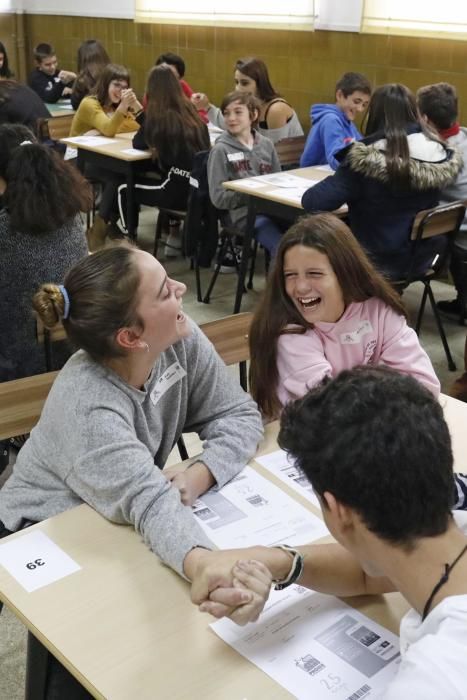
[[331, 131]]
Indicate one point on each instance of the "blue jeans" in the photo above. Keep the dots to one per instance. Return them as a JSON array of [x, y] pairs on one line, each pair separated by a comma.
[[269, 232]]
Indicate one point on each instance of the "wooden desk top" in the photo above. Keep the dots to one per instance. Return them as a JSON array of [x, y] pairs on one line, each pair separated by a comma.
[[115, 149], [314, 173], [124, 624]]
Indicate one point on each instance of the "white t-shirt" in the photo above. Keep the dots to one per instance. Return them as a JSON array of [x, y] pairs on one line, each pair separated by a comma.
[[434, 654]]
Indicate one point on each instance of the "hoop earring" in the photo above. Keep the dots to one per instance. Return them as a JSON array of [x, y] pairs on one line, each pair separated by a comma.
[[146, 346]]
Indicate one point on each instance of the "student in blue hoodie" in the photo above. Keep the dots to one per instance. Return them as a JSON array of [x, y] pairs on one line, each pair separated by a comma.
[[333, 126]]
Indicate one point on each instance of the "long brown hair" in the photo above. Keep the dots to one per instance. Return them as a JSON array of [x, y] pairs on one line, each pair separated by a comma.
[[358, 280], [392, 108], [173, 128], [43, 191], [256, 69]]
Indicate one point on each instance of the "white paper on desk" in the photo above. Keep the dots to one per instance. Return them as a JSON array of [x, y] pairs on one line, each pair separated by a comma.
[[213, 136], [65, 105], [35, 561], [279, 464], [317, 647], [214, 129], [90, 140], [326, 168], [134, 152], [254, 184], [284, 180], [294, 195], [70, 153], [251, 510]]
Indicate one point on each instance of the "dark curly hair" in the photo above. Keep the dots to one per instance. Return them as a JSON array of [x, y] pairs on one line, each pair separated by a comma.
[[377, 440], [43, 191]]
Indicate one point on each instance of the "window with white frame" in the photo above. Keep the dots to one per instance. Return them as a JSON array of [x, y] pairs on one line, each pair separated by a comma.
[[268, 14], [430, 18]]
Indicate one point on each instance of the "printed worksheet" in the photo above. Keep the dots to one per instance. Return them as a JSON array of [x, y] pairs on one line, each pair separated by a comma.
[[317, 647], [251, 510], [287, 181], [254, 183], [90, 140], [294, 196], [282, 466]]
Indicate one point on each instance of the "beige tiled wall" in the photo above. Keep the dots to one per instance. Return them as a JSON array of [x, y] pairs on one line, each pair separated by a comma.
[[304, 66]]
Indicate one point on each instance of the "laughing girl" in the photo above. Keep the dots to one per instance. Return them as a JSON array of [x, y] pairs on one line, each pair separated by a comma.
[[326, 309]]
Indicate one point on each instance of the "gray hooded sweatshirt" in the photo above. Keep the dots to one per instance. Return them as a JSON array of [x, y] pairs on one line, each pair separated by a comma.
[[231, 160]]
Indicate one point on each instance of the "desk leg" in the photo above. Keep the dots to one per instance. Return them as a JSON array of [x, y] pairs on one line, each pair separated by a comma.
[[47, 679], [130, 203], [36, 669], [246, 253]]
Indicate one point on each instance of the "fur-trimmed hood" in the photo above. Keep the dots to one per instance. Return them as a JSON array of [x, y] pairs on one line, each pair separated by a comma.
[[432, 164]]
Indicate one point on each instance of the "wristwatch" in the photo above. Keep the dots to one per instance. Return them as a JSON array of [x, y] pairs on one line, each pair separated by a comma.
[[296, 569]]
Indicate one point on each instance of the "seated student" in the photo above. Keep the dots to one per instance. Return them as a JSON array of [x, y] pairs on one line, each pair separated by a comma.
[[437, 104], [171, 128], [326, 309], [112, 107], [20, 105], [386, 179], [276, 120], [47, 80], [177, 64], [377, 451], [333, 126], [112, 416], [242, 152], [111, 110], [39, 240], [5, 71], [92, 58]]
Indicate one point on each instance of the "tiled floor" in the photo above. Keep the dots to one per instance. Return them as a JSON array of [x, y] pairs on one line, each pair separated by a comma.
[[12, 633]]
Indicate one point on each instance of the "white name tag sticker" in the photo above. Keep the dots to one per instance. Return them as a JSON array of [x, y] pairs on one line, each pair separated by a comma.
[[354, 337], [233, 157], [35, 561], [171, 375]]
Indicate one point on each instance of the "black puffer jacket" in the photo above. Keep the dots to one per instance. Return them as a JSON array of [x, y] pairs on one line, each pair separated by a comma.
[[380, 214]]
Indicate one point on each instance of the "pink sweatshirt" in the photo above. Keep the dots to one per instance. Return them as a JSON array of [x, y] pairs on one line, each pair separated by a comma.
[[369, 332]]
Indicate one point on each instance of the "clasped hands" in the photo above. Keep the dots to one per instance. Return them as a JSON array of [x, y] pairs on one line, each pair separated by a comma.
[[237, 590], [224, 583]]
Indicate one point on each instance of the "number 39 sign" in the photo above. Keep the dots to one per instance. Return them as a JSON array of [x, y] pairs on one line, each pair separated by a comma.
[[35, 561]]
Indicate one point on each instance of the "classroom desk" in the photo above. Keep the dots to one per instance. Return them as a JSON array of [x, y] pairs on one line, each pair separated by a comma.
[[112, 157], [60, 109], [124, 624], [266, 200]]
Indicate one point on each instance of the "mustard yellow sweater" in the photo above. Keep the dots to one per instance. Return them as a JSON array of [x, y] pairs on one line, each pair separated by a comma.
[[91, 115]]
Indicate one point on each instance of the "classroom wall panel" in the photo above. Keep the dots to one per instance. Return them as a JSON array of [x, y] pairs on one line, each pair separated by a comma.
[[304, 66]]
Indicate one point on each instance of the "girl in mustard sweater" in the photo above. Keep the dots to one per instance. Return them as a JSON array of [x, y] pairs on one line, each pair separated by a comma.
[[111, 109]]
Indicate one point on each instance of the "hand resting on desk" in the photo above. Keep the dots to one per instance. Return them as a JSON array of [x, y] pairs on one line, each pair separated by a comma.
[[192, 482]]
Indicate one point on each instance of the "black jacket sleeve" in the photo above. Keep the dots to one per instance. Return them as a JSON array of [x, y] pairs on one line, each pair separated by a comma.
[[334, 191], [46, 86], [139, 140]]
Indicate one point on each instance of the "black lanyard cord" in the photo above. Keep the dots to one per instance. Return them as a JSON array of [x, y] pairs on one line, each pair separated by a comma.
[[441, 582]]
